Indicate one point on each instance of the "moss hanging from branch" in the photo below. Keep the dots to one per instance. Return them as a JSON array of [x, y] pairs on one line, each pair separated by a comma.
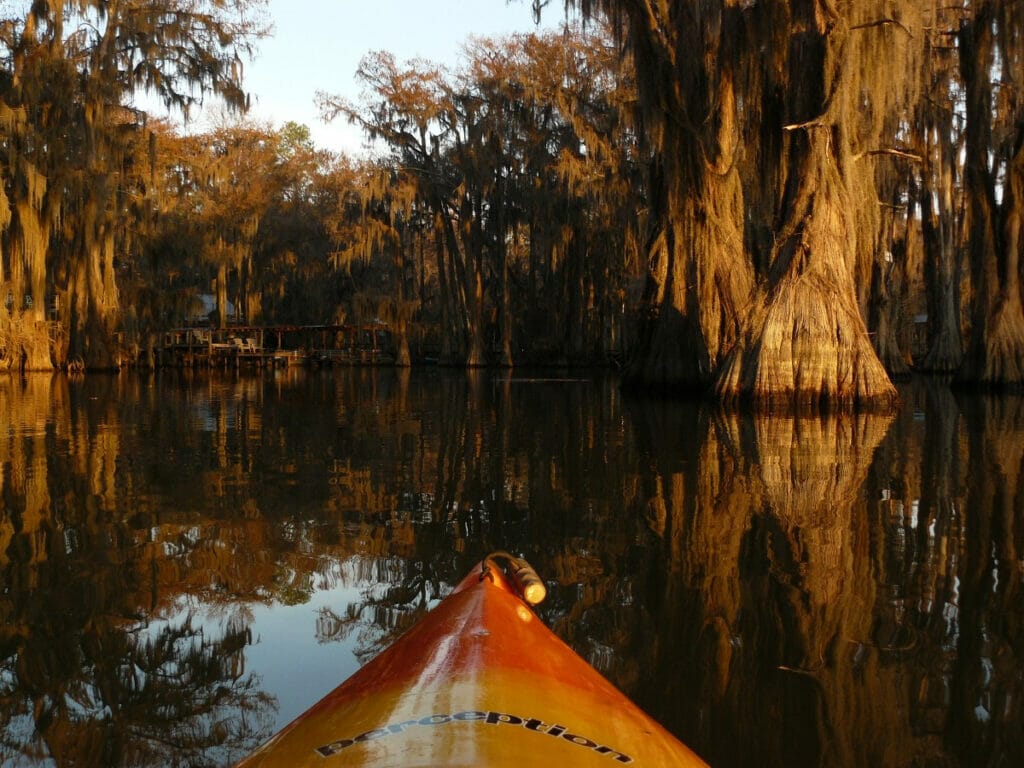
[[720, 83]]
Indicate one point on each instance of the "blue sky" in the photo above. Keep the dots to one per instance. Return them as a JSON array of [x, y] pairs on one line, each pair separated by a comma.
[[317, 46]]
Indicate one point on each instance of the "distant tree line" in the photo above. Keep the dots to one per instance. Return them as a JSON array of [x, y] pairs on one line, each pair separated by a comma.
[[786, 203]]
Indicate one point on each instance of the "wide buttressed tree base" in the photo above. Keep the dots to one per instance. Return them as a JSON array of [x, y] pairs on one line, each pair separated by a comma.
[[805, 346], [805, 350], [996, 360], [24, 342]]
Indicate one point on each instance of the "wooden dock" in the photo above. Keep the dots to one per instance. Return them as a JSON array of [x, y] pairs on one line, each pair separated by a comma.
[[276, 346]]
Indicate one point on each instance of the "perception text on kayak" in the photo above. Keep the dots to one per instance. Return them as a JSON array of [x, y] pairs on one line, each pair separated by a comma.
[[485, 718]]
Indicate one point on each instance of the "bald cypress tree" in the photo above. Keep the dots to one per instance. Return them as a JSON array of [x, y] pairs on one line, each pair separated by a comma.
[[938, 139], [180, 50], [839, 70], [36, 75], [992, 65], [766, 119], [689, 65]]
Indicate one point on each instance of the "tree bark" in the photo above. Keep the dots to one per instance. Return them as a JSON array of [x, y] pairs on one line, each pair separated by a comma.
[[995, 356], [699, 277], [95, 308], [888, 283], [699, 282], [504, 324], [29, 344], [449, 351], [466, 281], [886, 314], [805, 344], [221, 288], [403, 359], [942, 276]]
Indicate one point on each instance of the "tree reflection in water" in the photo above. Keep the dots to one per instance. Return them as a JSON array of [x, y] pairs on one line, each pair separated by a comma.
[[842, 591], [385, 612], [832, 591], [90, 672]]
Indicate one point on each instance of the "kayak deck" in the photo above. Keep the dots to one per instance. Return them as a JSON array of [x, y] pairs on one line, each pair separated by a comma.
[[479, 681]]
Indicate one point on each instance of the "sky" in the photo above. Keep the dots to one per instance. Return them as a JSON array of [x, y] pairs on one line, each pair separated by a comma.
[[317, 46]]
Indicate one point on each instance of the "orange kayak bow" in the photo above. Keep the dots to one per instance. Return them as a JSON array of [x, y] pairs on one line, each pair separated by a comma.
[[481, 682]]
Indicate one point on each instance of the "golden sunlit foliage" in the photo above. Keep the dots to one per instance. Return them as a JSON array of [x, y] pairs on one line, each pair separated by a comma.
[[784, 203], [69, 173], [802, 150], [520, 172]]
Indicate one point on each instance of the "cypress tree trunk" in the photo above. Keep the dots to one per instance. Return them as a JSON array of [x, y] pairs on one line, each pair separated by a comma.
[[466, 283], [471, 267], [718, 79], [221, 290], [938, 198], [699, 277], [403, 308], [698, 281], [505, 359], [996, 353], [94, 293], [403, 359], [105, 309], [449, 351], [805, 344], [28, 345], [886, 310], [29, 195], [942, 277], [894, 249], [473, 320], [94, 302]]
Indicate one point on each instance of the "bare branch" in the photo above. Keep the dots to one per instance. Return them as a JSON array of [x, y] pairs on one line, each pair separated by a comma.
[[882, 23], [900, 153]]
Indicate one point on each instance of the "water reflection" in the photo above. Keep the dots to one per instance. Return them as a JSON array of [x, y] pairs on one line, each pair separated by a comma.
[[98, 663], [840, 591]]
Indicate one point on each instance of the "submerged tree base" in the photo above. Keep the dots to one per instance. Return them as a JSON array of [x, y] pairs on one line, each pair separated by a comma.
[[807, 350], [668, 359], [25, 344], [996, 361]]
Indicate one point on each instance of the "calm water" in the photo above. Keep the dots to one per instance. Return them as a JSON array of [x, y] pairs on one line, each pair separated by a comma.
[[187, 563]]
